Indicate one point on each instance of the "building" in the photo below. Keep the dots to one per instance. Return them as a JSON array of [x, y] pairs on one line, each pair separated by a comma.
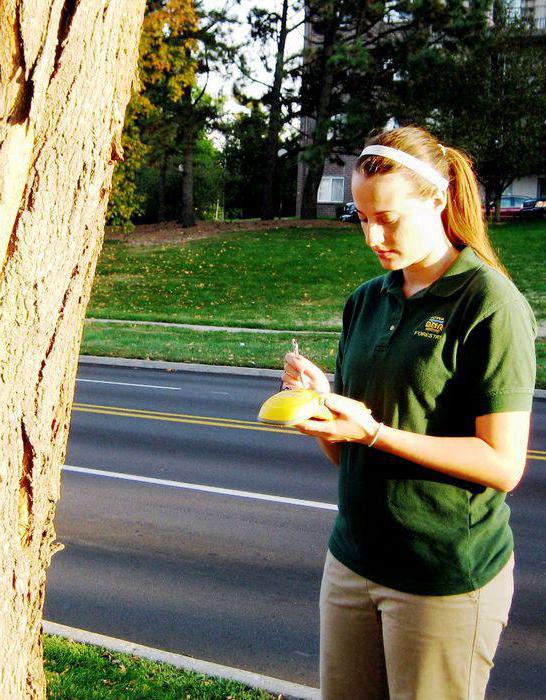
[[335, 186], [534, 10]]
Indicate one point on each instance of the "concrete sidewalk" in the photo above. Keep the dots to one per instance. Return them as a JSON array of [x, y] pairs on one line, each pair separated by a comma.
[[225, 329], [233, 329]]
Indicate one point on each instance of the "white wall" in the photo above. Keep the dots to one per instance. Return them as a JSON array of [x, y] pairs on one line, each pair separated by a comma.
[[524, 186]]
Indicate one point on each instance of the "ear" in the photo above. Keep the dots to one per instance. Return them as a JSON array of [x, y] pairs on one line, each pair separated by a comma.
[[440, 200]]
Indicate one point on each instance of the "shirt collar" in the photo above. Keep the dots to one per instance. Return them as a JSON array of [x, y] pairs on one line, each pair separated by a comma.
[[456, 275]]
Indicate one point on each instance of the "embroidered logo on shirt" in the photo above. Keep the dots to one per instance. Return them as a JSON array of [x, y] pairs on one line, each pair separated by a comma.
[[433, 328]]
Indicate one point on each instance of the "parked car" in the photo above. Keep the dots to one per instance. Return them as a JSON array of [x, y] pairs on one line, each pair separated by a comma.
[[350, 214], [533, 209], [510, 205]]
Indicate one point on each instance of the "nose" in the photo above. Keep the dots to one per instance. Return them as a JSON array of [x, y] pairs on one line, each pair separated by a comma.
[[374, 234]]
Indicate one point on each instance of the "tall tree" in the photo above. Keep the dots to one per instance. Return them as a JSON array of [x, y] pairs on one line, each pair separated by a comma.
[[212, 50], [269, 25], [352, 64], [152, 134], [499, 115], [505, 111], [180, 42], [65, 78], [195, 111], [245, 153], [325, 26], [126, 199], [244, 156], [168, 69]]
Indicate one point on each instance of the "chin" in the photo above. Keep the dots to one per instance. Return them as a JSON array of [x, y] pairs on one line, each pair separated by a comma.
[[394, 263]]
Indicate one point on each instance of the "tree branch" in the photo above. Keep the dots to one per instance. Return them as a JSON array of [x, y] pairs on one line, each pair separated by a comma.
[[250, 77]]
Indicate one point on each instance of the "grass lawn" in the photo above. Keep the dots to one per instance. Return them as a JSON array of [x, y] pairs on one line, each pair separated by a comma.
[[211, 347], [285, 278], [295, 279], [288, 278], [82, 672]]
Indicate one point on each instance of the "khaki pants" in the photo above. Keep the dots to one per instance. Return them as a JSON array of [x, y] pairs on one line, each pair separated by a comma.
[[377, 643]]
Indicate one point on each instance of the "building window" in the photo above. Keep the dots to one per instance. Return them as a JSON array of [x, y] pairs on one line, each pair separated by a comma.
[[331, 190], [541, 187]]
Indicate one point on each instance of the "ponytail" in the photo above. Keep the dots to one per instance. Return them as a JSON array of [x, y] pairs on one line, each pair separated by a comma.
[[463, 217]]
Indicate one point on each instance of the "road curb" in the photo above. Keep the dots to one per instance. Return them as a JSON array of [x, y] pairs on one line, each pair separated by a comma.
[[181, 366], [539, 394], [277, 686]]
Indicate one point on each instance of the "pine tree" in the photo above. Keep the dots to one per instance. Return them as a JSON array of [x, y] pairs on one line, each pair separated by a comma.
[[272, 26], [498, 115], [352, 69]]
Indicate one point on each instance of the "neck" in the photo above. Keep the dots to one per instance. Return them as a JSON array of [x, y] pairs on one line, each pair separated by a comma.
[[423, 273]]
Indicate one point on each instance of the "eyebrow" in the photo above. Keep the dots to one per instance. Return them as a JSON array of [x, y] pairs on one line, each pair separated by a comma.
[[386, 211]]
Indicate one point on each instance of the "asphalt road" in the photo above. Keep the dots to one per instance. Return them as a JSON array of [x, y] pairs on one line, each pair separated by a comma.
[[223, 576]]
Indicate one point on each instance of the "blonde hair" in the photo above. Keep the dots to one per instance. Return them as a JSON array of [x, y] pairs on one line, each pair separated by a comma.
[[462, 217]]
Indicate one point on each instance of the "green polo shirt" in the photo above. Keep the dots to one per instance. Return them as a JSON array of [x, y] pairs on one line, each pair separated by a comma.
[[461, 348]]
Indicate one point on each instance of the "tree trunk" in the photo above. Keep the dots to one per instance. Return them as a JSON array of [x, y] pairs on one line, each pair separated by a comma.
[[161, 195], [310, 190], [275, 122], [187, 217], [487, 200], [67, 71], [498, 190], [189, 109], [319, 148], [497, 216]]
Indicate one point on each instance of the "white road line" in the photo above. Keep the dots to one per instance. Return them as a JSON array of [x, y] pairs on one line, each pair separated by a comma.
[[148, 386], [201, 487]]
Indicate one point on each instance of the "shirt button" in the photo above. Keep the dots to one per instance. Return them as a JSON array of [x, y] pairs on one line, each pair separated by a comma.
[[392, 328]]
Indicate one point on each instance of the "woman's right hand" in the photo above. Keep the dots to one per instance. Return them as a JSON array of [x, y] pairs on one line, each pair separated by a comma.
[[298, 368]]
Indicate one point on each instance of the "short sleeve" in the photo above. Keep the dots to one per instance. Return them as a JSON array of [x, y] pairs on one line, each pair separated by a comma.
[[347, 316], [498, 365], [338, 379]]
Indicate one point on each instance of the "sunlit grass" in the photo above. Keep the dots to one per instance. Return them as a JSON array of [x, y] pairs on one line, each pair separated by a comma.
[[208, 347], [284, 279], [82, 672], [292, 279]]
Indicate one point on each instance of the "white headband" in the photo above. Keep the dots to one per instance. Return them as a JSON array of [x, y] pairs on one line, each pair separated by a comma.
[[418, 166]]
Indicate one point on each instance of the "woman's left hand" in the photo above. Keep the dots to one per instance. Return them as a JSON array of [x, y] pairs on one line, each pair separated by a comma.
[[353, 422]]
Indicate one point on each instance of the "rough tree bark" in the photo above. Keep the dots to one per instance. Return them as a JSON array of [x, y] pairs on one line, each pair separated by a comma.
[[66, 71]]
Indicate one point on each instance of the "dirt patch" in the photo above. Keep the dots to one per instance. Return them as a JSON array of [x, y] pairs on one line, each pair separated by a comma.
[[170, 232]]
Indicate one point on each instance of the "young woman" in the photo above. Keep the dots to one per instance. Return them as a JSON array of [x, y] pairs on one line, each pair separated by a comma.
[[432, 396]]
